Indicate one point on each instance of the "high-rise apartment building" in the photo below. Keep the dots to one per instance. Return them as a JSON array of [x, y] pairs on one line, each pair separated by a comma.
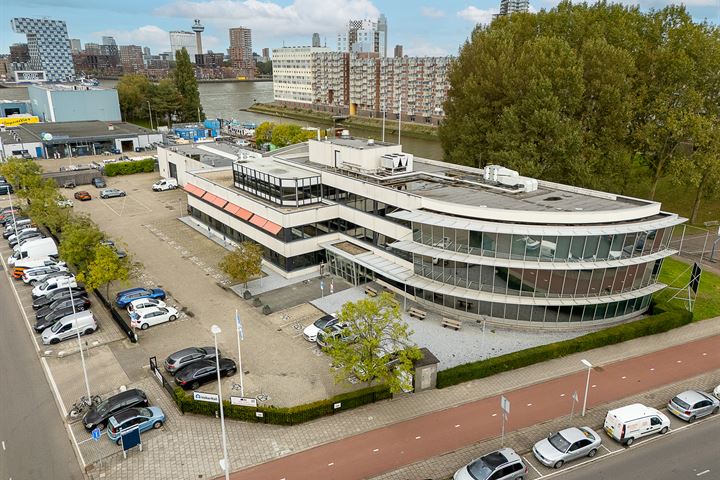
[[92, 48], [331, 78], [75, 45], [382, 28], [240, 51], [511, 6], [48, 46], [186, 40], [315, 39], [19, 53], [398, 53], [293, 75], [108, 41], [364, 36], [266, 54], [131, 58]]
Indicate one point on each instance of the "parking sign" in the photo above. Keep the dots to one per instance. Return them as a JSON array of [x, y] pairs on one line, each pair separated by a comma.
[[96, 434]]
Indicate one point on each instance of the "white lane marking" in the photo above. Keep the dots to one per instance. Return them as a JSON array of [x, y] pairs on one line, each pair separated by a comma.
[[533, 467], [3, 444], [140, 203], [376, 450], [331, 464], [702, 473], [102, 200], [608, 450], [418, 437], [456, 426]]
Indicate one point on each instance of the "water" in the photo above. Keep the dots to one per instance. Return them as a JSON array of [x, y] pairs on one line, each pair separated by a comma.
[[226, 100]]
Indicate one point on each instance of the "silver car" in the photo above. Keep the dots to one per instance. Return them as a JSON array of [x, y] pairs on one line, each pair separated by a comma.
[[692, 404], [503, 464], [565, 445], [111, 192]]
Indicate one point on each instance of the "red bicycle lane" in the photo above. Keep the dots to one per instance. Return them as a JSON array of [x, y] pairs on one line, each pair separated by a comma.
[[391, 447]]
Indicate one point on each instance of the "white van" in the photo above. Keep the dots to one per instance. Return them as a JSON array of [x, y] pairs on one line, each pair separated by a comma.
[[52, 284], [36, 248], [165, 184], [626, 424], [68, 327], [27, 263]]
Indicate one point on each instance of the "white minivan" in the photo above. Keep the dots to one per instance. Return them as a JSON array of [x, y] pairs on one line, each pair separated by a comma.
[[36, 248], [68, 327], [165, 184], [626, 424], [53, 283]]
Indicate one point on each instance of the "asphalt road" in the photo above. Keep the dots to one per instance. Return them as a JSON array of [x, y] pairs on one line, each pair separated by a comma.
[[35, 444], [692, 453]]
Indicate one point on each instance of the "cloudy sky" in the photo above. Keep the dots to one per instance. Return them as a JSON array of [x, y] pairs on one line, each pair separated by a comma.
[[423, 27]]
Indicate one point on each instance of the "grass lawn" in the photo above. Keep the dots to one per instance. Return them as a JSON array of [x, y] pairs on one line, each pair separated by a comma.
[[676, 273]]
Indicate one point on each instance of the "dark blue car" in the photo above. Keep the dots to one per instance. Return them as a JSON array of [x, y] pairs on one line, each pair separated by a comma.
[[122, 299]]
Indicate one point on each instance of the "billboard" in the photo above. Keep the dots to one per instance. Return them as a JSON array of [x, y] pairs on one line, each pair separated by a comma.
[[18, 120]]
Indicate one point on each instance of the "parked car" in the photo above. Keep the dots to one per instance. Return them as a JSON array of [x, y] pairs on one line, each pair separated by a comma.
[[111, 192], [68, 327], [13, 228], [21, 265], [6, 189], [165, 184], [111, 244], [147, 317], [39, 274], [176, 361], [627, 424], [48, 315], [126, 296], [82, 195], [143, 418], [69, 184], [144, 303], [503, 464], [65, 203], [98, 182], [57, 295], [339, 330], [692, 404], [22, 237], [203, 371], [716, 392], [10, 216], [46, 286], [99, 414], [311, 331], [565, 445]]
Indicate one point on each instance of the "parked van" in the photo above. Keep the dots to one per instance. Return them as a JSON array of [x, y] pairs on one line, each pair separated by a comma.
[[22, 265], [626, 424], [165, 184], [68, 327], [37, 248], [47, 286]]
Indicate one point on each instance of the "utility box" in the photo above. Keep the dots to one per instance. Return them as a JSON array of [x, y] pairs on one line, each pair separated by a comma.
[[426, 367]]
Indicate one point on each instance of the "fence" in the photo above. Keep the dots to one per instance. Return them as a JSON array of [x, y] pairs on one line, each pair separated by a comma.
[[161, 378], [119, 320]]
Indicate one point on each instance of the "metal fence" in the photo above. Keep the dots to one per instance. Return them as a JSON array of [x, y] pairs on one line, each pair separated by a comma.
[[119, 320], [161, 378]]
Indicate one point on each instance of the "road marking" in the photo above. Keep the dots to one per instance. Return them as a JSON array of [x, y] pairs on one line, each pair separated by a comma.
[[603, 446], [331, 464], [702, 473], [418, 437], [3, 444], [376, 450], [102, 200], [533, 467]]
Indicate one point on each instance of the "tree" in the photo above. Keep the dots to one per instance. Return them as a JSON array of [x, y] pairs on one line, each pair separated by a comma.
[[265, 68], [80, 238], [166, 99], [21, 173], [134, 91], [186, 84], [376, 344], [243, 263], [43, 206], [104, 268], [263, 133]]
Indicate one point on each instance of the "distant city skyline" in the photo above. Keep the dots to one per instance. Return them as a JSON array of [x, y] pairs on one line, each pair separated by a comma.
[[422, 27]]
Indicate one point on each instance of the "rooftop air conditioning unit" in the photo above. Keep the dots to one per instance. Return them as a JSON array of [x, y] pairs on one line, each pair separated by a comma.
[[345, 134], [397, 162]]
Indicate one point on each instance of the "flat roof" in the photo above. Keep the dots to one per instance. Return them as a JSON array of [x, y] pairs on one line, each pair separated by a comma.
[[61, 87], [213, 154], [64, 131], [355, 142]]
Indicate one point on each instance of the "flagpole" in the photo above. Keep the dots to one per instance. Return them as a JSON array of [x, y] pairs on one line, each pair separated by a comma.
[[239, 334]]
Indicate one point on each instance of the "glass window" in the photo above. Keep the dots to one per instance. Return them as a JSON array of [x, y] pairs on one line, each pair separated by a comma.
[[533, 246], [489, 242], [576, 248], [562, 249], [604, 244], [548, 246], [519, 243], [503, 245], [591, 247]]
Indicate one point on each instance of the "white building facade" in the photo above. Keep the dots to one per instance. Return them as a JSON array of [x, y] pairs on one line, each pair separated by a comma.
[[180, 40], [293, 74]]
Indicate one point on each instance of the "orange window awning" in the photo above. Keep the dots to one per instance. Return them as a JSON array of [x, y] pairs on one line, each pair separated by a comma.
[[196, 191], [231, 208], [271, 227], [219, 202], [258, 221]]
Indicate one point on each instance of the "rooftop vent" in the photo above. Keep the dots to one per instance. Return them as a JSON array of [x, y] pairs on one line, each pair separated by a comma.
[[371, 141], [509, 178]]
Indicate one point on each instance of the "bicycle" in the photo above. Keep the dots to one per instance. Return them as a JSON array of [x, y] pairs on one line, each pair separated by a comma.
[[82, 405]]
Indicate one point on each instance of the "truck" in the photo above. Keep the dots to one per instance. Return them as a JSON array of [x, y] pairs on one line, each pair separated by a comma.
[[626, 424], [37, 248]]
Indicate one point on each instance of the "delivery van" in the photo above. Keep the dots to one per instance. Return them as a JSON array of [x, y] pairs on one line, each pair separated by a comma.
[[68, 327], [36, 248], [22, 265], [165, 184], [51, 284], [626, 424]]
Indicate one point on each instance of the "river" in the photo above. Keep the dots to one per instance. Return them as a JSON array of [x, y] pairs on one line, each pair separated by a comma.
[[226, 100]]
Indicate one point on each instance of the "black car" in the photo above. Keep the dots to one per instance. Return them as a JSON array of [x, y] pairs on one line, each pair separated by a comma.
[[99, 414], [8, 218], [64, 293], [5, 189], [52, 316], [98, 182], [203, 371]]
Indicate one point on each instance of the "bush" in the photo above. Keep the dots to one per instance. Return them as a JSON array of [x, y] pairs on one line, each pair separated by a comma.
[[284, 416], [665, 318], [257, 302], [128, 168], [266, 310]]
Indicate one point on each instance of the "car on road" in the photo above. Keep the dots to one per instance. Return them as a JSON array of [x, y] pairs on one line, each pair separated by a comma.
[[143, 418], [190, 377], [98, 182], [68, 327], [693, 404], [627, 424], [147, 317], [57, 295], [126, 296], [111, 193], [144, 303], [99, 414], [503, 464], [565, 445], [39, 274], [82, 195], [47, 316], [311, 331], [176, 361]]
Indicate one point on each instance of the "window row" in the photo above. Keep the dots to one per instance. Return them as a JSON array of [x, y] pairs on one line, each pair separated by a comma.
[[283, 191]]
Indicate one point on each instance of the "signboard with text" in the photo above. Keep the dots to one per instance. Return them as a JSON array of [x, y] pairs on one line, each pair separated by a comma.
[[243, 401], [206, 397]]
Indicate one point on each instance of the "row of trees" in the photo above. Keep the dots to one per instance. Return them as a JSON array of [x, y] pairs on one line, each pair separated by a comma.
[[602, 96], [173, 99], [97, 264], [281, 134]]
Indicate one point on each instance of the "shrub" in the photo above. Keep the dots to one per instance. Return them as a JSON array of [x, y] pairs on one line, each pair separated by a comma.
[[257, 302], [666, 318], [128, 168], [266, 310]]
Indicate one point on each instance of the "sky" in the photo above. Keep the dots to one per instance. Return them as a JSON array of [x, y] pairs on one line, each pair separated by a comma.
[[423, 27]]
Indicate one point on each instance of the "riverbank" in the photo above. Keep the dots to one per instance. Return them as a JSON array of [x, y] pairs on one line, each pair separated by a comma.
[[409, 129]]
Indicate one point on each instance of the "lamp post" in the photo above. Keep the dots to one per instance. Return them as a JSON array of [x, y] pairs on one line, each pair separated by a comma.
[[150, 113], [82, 355], [215, 331], [587, 384]]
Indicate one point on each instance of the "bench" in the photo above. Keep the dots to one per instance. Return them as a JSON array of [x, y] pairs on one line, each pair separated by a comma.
[[417, 313], [371, 292], [451, 323]]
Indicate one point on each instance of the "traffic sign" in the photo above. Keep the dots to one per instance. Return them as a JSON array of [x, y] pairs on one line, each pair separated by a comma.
[[505, 404], [96, 434]]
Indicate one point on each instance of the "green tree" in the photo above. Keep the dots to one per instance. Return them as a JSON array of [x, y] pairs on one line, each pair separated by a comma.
[[21, 173], [376, 344], [80, 238], [105, 268], [166, 100], [43, 206], [263, 133], [134, 91], [186, 85], [265, 68], [243, 263]]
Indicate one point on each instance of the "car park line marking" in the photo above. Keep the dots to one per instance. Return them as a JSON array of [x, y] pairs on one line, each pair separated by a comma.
[[533, 467], [608, 450], [104, 202], [376, 450], [700, 474], [3, 444], [331, 464], [140, 203], [416, 438]]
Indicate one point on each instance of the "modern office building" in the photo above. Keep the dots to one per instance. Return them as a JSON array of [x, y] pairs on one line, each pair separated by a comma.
[[364, 36], [293, 75], [477, 244], [266, 54], [48, 47], [240, 50], [511, 6], [131, 58], [75, 45], [72, 103], [186, 40]]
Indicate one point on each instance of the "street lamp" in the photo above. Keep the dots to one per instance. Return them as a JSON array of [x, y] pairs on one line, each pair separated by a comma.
[[150, 114], [587, 384], [82, 355], [224, 463]]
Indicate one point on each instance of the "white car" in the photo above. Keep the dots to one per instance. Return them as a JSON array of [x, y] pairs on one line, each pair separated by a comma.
[[38, 274], [716, 392], [148, 317], [65, 203], [143, 303], [311, 331]]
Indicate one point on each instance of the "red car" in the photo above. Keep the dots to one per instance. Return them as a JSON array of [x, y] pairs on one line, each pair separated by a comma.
[[83, 196]]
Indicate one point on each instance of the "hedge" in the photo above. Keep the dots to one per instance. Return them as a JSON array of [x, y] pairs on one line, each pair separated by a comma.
[[284, 416], [664, 318], [128, 168]]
